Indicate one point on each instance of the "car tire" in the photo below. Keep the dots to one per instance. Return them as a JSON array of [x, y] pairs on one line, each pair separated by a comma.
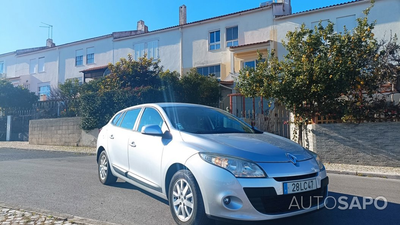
[[103, 169], [185, 200]]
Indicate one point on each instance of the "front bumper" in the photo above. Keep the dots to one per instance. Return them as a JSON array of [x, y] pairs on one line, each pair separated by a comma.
[[255, 199]]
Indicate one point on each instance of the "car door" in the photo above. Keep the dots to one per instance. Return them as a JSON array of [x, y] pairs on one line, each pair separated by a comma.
[[118, 141], [145, 151]]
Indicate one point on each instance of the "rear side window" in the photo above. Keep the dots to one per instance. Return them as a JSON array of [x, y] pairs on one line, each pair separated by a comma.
[[130, 118], [117, 119]]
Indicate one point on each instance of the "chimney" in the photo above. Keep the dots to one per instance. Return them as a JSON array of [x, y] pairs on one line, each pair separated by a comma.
[[50, 43], [142, 27], [182, 15]]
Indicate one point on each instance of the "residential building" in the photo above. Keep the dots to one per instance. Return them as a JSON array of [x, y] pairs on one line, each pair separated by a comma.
[[220, 46]]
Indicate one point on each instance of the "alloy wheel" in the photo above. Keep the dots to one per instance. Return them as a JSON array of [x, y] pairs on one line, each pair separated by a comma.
[[183, 200]]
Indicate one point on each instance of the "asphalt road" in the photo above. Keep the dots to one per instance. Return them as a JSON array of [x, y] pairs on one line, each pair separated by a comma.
[[67, 183]]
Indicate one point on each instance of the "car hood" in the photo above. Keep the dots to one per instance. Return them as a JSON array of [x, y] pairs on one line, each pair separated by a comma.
[[255, 147]]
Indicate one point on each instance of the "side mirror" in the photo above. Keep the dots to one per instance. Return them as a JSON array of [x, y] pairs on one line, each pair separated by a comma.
[[152, 130]]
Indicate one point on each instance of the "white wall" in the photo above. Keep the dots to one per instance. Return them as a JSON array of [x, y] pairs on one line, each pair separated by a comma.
[[385, 13], [9, 64], [168, 47], [252, 27], [103, 54]]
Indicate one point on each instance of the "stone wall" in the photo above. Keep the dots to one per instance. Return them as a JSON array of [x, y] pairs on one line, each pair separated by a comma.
[[61, 131], [375, 144]]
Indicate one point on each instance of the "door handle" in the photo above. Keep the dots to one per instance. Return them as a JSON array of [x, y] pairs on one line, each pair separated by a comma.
[[111, 136], [132, 144]]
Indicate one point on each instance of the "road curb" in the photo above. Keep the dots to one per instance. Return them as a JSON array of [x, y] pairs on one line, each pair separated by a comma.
[[365, 174]]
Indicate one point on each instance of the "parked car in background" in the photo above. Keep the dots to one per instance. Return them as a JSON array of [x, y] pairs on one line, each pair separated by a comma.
[[209, 164]]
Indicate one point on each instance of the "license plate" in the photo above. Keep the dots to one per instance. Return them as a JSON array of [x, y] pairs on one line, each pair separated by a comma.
[[299, 186]]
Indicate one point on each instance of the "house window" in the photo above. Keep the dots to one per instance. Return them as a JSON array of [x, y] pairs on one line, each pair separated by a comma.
[[41, 64], [90, 55], [314, 24], [79, 57], [152, 49], [1, 67], [15, 83], [214, 40], [348, 21], [44, 92], [250, 64], [232, 36], [32, 66], [139, 51], [207, 70]]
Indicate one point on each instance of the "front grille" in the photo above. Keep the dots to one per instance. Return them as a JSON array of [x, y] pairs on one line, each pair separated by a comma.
[[265, 200], [280, 179]]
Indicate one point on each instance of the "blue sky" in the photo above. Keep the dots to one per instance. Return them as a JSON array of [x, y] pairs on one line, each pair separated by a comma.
[[75, 20]]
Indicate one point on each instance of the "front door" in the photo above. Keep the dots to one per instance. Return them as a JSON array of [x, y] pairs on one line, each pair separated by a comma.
[[145, 152]]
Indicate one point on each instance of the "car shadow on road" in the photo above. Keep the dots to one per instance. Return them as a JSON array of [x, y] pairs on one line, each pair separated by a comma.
[[125, 185], [341, 209]]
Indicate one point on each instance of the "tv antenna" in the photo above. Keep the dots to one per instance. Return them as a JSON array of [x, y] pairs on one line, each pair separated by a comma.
[[49, 30]]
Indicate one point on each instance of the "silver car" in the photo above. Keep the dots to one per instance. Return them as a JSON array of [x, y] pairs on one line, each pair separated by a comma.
[[209, 164]]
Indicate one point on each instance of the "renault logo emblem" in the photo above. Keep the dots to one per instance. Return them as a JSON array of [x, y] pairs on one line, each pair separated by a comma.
[[292, 158]]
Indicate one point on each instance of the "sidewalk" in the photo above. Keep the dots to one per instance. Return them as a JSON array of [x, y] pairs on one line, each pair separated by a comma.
[[14, 215]]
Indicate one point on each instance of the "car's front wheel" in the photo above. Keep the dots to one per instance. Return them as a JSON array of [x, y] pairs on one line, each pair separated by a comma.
[[105, 174], [185, 200]]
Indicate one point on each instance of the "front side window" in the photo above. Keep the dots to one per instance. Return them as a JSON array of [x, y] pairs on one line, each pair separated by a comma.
[[32, 66], [152, 50], [130, 119], [210, 70], [90, 55], [150, 117], [232, 36], [79, 57], [41, 64], [139, 51], [215, 40]]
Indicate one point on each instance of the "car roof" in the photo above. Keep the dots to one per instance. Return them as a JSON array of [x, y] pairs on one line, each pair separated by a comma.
[[164, 104]]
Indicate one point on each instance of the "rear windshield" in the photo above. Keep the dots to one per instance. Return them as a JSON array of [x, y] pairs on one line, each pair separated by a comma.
[[204, 120]]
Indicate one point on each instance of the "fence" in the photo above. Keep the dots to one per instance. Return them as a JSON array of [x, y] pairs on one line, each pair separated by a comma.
[[20, 118], [264, 114]]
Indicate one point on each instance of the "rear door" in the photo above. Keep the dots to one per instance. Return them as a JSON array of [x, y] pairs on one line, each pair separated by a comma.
[[118, 137]]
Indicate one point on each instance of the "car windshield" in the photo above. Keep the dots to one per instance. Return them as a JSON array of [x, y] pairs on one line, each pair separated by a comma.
[[204, 120]]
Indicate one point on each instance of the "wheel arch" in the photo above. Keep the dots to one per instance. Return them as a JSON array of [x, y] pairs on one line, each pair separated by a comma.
[[170, 173], [99, 151]]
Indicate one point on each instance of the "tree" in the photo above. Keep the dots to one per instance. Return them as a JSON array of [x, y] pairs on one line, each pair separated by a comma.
[[199, 89], [68, 95], [325, 72], [128, 74], [15, 97], [261, 81]]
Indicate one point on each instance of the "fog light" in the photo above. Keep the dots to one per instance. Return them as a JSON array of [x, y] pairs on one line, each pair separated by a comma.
[[227, 200]]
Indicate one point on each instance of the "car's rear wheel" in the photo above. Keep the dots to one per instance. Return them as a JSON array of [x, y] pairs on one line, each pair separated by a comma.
[[105, 174], [185, 200]]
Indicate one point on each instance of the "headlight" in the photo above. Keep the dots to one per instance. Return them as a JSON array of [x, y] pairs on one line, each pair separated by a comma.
[[319, 161], [238, 167]]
